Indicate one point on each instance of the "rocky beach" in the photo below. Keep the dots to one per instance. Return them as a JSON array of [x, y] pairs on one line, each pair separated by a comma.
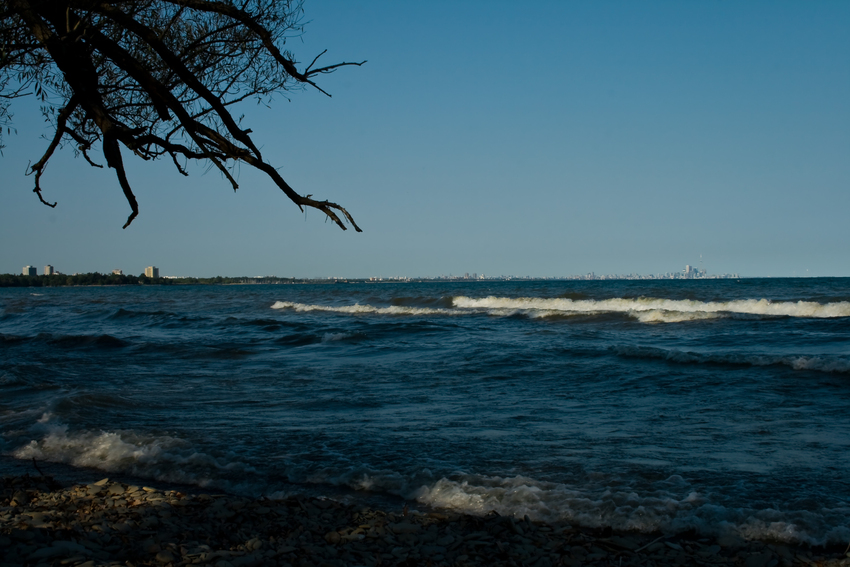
[[112, 523]]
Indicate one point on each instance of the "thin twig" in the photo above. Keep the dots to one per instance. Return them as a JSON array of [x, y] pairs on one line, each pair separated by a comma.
[[35, 464], [650, 543]]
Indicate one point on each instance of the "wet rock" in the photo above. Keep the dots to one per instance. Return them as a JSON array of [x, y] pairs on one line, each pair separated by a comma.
[[432, 550], [759, 559], [404, 528], [730, 540], [624, 542]]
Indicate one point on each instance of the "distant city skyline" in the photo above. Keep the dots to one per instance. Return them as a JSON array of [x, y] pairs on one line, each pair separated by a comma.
[[689, 272], [554, 137]]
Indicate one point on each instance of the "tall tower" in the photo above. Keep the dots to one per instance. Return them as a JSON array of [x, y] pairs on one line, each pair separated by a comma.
[[152, 272], [48, 270]]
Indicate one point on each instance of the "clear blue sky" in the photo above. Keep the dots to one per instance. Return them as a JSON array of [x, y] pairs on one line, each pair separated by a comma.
[[546, 139]]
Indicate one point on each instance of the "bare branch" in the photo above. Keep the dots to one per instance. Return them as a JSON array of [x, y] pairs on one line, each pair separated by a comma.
[[157, 76], [38, 167]]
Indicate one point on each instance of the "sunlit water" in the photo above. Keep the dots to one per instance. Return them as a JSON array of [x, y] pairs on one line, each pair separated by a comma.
[[710, 405]]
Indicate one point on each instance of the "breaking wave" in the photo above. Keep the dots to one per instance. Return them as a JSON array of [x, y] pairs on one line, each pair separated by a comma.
[[670, 505], [163, 458], [646, 310], [660, 510], [358, 309]]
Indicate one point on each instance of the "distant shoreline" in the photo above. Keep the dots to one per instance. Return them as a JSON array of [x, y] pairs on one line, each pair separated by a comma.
[[95, 279], [103, 280]]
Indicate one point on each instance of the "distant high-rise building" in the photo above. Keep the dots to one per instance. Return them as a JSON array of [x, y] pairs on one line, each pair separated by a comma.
[[30, 271], [121, 272], [152, 272], [48, 270]]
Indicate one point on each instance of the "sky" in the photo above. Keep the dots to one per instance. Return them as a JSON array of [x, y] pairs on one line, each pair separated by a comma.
[[551, 138]]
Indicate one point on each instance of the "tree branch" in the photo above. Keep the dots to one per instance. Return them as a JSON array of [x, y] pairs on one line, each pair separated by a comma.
[[38, 167]]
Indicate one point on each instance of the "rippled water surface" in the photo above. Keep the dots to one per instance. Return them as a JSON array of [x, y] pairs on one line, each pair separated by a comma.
[[719, 405]]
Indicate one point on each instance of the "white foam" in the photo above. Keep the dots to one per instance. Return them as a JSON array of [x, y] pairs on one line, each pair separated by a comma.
[[647, 310], [164, 458], [628, 510], [643, 305], [661, 316], [674, 507], [358, 309], [818, 363], [334, 337]]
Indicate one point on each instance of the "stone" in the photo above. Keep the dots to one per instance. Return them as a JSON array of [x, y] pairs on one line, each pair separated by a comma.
[[730, 540], [625, 543], [45, 553], [759, 559], [22, 535], [432, 550], [101, 482], [400, 552], [20, 498], [404, 528]]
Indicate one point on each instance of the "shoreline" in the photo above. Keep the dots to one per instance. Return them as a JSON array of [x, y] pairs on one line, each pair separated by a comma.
[[113, 523]]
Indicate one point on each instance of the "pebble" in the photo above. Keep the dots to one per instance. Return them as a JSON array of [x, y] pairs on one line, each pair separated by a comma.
[[108, 523]]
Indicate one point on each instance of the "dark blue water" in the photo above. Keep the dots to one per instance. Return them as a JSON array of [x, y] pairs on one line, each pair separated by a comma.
[[717, 405]]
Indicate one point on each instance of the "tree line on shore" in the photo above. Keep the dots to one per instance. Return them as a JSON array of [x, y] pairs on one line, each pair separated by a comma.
[[95, 278]]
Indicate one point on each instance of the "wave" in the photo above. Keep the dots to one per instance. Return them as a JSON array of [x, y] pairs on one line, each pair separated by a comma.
[[671, 506], [164, 458], [167, 319], [358, 309], [646, 305], [67, 341], [645, 310], [335, 337], [666, 511], [828, 364], [99, 341]]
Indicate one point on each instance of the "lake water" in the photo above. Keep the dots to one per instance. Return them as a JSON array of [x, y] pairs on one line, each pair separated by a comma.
[[715, 405]]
